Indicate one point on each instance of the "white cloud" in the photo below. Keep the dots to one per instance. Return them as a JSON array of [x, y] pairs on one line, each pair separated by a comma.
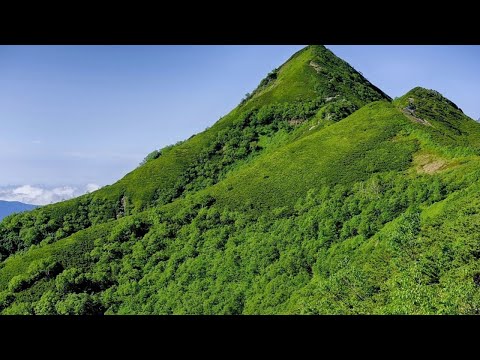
[[92, 187], [38, 195]]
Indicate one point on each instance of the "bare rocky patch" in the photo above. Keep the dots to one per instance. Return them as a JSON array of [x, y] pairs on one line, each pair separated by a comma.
[[429, 163], [412, 116], [410, 112], [328, 99], [316, 66], [433, 167], [295, 122]]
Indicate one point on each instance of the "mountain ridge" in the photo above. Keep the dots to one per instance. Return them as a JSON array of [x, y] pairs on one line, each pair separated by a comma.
[[318, 194], [156, 182]]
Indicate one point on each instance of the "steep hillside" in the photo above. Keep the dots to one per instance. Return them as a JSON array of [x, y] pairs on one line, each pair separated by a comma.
[[450, 127], [312, 89], [292, 203], [313, 81]]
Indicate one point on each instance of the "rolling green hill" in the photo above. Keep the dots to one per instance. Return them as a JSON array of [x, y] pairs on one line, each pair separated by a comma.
[[317, 194]]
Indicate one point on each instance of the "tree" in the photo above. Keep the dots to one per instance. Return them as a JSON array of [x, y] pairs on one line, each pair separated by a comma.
[[46, 304], [152, 156], [77, 304]]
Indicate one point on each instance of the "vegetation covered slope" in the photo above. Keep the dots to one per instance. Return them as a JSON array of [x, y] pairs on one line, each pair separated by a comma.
[[291, 210], [313, 85]]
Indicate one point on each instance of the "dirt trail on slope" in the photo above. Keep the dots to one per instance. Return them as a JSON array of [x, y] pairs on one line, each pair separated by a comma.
[[411, 115]]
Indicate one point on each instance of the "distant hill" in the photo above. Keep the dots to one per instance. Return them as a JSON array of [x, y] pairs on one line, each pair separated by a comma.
[[317, 194], [11, 207]]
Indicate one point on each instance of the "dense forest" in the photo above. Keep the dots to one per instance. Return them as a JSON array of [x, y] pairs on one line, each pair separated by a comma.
[[318, 194]]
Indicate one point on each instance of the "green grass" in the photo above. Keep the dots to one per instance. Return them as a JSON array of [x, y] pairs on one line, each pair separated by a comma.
[[297, 81], [333, 215], [69, 252], [152, 184], [349, 151], [450, 128]]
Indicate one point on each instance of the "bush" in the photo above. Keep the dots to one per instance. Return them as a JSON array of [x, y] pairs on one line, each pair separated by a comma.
[[6, 298], [18, 283], [77, 304], [46, 304]]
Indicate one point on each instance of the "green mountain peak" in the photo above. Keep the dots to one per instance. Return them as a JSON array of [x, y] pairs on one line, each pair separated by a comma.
[[449, 125], [423, 94], [316, 195], [314, 73]]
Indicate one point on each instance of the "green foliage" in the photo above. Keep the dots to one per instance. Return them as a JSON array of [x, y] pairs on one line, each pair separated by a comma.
[[268, 80], [6, 298], [309, 198], [321, 158], [341, 249], [37, 269], [77, 304], [18, 283], [155, 154], [283, 103], [449, 126], [46, 304]]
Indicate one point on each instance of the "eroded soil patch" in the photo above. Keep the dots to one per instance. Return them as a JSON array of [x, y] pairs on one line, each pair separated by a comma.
[[427, 163]]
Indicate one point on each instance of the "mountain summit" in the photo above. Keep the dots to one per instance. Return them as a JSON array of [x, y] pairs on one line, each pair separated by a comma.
[[317, 194], [316, 73]]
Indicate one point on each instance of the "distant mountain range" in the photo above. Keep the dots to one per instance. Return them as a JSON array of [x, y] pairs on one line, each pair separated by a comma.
[[10, 207]]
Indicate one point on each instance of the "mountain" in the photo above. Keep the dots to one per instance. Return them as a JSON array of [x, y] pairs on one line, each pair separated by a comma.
[[317, 194], [11, 207]]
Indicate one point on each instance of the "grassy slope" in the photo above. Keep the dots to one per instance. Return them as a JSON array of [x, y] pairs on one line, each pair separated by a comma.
[[449, 126], [400, 269], [297, 81], [378, 138], [348, 151], [140, 184], [322, 158]]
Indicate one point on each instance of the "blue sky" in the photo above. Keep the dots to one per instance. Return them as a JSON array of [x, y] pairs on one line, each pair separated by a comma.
[[74, 117]]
